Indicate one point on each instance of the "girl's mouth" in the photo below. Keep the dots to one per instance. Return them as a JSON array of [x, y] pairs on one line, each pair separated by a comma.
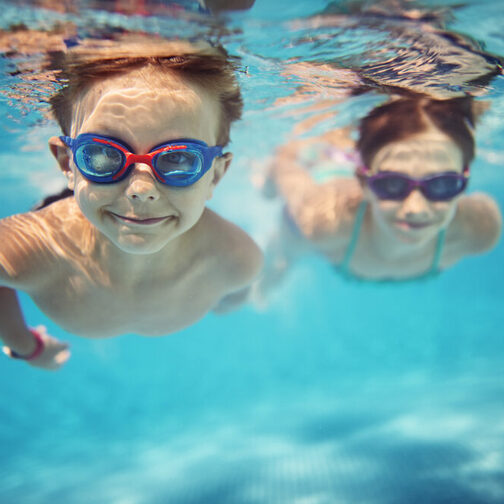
[[403, 224]]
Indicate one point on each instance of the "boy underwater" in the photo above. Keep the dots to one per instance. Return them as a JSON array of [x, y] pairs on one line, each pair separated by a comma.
[[134, 249]]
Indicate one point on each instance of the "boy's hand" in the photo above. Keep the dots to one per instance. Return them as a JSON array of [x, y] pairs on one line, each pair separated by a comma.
[[54, 354]]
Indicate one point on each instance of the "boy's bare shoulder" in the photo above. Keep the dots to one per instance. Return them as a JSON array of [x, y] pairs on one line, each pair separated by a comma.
[[32, 242], [236, 256], [23, 251], [477, 223]]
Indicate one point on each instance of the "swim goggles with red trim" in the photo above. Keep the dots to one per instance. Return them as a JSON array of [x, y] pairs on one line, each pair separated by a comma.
[[105, 160]]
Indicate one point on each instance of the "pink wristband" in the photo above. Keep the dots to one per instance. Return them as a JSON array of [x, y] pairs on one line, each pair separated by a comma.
[[38, 349]]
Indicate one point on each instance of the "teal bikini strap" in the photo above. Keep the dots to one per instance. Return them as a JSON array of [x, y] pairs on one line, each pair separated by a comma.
[[359, 219], [439, 251]]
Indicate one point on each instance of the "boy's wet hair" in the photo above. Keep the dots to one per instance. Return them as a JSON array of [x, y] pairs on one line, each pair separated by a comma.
[[199, 63], [405, 117]]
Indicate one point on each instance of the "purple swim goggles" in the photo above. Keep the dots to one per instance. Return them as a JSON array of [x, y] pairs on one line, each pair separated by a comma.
[[389, 185], [105, 160]]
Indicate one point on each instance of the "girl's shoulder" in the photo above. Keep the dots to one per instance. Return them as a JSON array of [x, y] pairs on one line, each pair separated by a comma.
[[477, 224]]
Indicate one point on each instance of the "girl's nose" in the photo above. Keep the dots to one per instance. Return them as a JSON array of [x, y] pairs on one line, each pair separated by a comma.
[[415, 204], [142, 184]]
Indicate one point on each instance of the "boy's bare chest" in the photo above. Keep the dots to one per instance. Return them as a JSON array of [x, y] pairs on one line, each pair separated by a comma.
[[97, 307]]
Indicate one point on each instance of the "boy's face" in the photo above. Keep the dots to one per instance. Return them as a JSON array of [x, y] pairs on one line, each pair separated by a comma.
[[139, 214]]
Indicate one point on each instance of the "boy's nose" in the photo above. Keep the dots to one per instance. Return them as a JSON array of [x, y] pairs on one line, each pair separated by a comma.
[[142, 184]]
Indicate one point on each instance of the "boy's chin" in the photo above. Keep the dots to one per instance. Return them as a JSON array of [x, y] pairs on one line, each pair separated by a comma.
[[136, 245]]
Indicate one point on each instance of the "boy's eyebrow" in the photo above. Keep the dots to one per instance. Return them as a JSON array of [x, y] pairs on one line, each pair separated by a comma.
[[115, 138], [130, 149]]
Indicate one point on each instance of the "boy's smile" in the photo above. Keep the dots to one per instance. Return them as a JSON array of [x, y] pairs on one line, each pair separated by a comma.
[[146, 221], [139, 214]]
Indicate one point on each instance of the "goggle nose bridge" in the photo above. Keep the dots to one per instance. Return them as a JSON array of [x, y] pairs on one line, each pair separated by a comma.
[[139, 158], [416, 185]]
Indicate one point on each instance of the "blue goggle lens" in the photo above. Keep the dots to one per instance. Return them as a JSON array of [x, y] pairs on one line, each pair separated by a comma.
[[178, 164], [99, 160]]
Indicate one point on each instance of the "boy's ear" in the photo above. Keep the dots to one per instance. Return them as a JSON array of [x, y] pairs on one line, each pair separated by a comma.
[[221, 166], [61, 153]]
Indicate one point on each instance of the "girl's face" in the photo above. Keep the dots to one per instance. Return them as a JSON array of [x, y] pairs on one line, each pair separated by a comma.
[[415, 219]]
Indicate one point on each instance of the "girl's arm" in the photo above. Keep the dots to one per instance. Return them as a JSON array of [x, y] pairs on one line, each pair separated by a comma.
[[319, 210]]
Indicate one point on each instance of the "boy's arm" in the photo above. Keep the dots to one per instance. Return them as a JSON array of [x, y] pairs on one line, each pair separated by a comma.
[[13, 329], [40, 350], [21, 342], [232, 301], [241, 269]]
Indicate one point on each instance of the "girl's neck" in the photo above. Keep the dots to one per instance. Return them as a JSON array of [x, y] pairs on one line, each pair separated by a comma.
[[389, 247]]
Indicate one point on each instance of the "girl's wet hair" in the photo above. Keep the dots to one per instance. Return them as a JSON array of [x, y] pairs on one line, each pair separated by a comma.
[[405, 117]]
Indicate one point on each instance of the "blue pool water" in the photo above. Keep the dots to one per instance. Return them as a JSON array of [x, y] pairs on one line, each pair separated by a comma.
[[335, 392]]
